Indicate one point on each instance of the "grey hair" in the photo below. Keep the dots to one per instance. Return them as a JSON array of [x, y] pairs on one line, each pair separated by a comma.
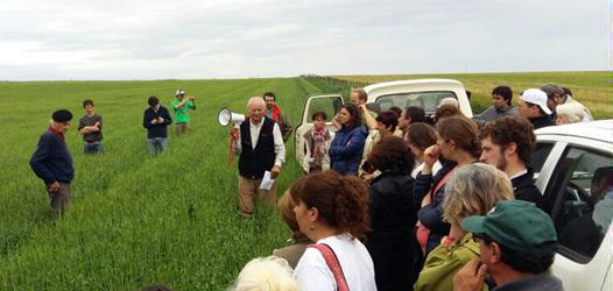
[[266, 274], [474, 189], [256, 99], [552, 89]]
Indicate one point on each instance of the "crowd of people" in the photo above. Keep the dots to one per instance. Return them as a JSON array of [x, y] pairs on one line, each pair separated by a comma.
[[388, 201], [402, 201]]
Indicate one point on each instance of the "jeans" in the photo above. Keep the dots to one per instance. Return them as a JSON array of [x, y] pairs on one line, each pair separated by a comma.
[[157, 145], [93, 148]]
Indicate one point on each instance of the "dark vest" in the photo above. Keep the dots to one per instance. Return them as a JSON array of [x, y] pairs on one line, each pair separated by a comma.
[[254, 162]]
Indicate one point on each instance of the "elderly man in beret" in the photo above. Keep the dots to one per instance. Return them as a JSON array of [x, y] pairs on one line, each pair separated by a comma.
[[52, 162]]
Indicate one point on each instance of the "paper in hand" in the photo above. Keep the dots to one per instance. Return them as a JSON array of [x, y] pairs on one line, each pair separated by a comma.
[[267, 182]]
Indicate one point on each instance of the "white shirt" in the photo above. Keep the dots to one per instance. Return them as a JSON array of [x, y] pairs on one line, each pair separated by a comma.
[[313, 274], [437, 166], [254, 131]]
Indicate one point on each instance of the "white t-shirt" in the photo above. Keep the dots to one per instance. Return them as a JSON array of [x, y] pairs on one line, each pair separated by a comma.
[[313, 274], [437, 166]]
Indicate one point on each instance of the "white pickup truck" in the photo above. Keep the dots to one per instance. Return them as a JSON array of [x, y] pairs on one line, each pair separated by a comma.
[[425, 93]]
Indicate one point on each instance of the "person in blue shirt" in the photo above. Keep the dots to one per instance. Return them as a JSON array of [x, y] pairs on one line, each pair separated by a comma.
[[52, 162]]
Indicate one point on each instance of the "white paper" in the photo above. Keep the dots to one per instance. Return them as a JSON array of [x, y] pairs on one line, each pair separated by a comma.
[[267, 182]]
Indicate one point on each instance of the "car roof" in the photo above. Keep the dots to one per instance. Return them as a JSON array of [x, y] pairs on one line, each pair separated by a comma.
[[421, 82], [601, 130]]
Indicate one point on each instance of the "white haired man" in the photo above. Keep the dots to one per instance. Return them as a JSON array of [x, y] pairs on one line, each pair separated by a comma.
[[259, 144]]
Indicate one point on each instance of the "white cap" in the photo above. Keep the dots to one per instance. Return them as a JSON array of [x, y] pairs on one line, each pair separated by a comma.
[[536, 97], [180, 92]]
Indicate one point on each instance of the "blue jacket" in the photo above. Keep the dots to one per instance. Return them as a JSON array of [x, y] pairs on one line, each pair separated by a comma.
[[51, 161], [346, 150]]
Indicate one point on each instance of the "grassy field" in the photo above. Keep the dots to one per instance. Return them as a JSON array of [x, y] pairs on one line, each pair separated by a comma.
[[137, 220], [592, 89]]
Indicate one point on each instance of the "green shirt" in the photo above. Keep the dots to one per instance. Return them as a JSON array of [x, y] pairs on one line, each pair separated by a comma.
[[181, 112], [442, 264]]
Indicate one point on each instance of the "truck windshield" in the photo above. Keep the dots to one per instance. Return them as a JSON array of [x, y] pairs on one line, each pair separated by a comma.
[[426, 100]]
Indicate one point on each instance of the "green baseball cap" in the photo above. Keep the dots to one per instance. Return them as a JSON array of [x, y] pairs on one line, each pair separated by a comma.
[[518, 225]]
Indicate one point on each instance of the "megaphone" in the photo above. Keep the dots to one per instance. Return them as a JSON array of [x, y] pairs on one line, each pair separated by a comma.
[[226, 117]]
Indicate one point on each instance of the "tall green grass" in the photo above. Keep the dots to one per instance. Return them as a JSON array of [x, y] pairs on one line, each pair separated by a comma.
[[135, 220]]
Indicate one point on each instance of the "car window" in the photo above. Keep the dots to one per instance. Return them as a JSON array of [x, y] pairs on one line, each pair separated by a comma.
[[581, 200], [540, 156], [329, 105], [426, 100]]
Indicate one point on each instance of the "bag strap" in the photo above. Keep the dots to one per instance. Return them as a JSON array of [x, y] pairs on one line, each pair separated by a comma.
[[333, 265], [442, 183]]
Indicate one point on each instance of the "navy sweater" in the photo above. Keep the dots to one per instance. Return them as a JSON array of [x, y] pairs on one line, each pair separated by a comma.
[[51, 161], [156, 130]]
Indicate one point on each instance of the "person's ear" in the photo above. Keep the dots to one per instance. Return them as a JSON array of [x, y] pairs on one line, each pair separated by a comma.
[[510, 149], [496, 253], [313, 214]]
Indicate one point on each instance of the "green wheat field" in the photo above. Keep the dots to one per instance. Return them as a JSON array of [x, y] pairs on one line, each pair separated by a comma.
[[137, 220]]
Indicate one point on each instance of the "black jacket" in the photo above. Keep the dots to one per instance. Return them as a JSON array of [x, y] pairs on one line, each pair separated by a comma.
[[390, 242], [541, 122], [254, 162], [51, 161], [524, 189], [156, 130]]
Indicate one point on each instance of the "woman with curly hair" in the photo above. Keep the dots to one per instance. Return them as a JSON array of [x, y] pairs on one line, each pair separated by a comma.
[[392, 215], [331, 210]]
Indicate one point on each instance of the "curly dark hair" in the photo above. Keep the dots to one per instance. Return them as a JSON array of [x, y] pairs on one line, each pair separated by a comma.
[[512, 129], [341, 201], [356, 116], [392, 155], [389, 119], [463, 131]]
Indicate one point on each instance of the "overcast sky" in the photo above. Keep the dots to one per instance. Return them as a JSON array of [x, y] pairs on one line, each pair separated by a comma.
[[202, 39]]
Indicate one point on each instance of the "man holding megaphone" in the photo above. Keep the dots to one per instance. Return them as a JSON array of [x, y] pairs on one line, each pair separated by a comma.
[[259, 144]]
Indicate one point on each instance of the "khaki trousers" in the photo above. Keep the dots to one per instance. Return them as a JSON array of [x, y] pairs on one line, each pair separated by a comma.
[[248, 190]]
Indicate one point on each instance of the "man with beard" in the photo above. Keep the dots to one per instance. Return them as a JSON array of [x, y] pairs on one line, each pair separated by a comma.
[[273, 112], [508, 144]]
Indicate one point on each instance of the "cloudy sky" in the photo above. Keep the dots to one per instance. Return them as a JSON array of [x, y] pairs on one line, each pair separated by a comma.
[[201, 39]]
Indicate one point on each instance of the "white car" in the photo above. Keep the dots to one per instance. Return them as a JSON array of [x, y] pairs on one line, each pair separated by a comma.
[[570, 161], [425, 93]]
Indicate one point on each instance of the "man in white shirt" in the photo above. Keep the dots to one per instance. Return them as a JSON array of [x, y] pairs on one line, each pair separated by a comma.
[[259, 144]]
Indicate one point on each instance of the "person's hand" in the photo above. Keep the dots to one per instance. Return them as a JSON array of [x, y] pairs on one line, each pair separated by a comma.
[[191, 98], [471, 277], [155, 121], [274, 172], [234, 134], [363, 108], [160, 120], [431, 155], [54, 188]]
